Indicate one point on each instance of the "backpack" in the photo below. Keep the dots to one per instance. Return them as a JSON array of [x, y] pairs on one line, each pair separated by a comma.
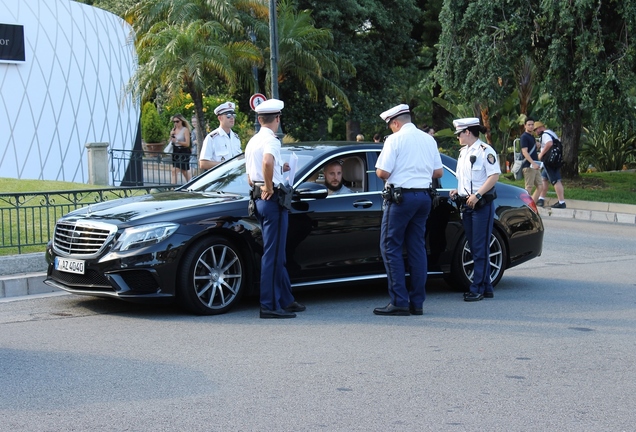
[[516, 170], [554, 158]]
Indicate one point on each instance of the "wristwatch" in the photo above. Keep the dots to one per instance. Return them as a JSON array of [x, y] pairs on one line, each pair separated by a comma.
[[478, 195]]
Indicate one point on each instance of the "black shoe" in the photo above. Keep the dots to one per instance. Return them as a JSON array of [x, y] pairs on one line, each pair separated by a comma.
[[558, 205], [540, 202], [489, 294], [266, 313], [471, 297], [416, 311], [295, 307], [392, 311]]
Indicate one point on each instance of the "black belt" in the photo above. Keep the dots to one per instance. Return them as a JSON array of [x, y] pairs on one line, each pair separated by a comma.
[[416, 190]]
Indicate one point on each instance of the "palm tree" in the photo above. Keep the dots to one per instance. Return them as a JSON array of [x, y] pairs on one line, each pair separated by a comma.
[[304, 53], [184, 45]]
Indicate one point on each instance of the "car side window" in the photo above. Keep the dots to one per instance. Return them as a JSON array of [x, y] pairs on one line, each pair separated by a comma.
[[448, 180]]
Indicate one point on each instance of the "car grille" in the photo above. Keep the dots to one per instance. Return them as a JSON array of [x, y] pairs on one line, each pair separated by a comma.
[[91, 281], [82, 238]]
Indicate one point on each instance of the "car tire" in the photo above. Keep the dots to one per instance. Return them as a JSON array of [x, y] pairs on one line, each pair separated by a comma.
[[213, 277], [462, 268]]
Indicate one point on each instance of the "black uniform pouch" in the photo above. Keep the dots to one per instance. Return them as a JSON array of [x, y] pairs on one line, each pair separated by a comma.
[[486, 198], [285, 196]]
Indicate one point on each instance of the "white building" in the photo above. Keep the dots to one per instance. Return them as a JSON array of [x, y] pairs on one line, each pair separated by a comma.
[[68, 91]]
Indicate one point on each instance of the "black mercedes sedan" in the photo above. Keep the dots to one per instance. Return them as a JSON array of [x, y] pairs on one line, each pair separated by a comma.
[[197, 244]]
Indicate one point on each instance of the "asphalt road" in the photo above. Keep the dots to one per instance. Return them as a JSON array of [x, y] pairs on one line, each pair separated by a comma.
[[555, 350]]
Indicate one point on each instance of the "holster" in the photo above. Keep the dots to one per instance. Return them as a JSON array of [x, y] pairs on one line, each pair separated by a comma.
[[486, 198], [392, 194], [285, 196]]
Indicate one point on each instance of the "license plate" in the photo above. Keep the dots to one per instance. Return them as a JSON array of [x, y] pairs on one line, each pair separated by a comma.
[[69, 265]]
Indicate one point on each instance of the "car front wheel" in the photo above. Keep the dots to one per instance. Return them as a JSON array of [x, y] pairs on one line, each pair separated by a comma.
[[462, 268], [212, 277]]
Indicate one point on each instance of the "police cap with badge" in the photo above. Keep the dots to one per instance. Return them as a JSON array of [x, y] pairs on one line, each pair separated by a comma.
[[394, 112], [225, 108], [462, 124]]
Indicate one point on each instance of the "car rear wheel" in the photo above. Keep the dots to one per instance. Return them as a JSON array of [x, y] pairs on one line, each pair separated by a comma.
[[462, 267], [213, 277]]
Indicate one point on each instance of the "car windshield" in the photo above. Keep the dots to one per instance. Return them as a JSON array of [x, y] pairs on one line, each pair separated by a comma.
[[230, 177]]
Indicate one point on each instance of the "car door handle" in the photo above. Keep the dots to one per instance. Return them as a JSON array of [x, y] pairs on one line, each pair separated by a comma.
[[363, 204]]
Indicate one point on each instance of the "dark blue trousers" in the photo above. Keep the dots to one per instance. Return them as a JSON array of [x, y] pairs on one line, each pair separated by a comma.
[[478, 228], [275, 285], [404, 224]]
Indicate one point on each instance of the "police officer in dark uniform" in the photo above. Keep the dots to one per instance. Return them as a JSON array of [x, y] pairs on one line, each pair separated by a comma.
[[477, 173], [265, 174], [409, 162]]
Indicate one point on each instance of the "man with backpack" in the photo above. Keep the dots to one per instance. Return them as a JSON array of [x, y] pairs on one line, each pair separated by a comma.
[[531, 166], [550, 174]]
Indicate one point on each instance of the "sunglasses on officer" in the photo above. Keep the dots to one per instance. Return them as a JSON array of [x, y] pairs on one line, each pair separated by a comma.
[[230, 114]]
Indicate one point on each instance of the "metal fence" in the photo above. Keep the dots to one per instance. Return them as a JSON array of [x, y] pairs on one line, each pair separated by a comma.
[[28, 219], [143, 168]]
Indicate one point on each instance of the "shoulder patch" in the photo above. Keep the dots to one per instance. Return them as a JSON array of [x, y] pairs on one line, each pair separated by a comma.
[[491, 159]]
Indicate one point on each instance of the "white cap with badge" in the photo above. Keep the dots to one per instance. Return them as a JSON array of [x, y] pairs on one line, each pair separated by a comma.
[[270, 106], [463, 124], [390, 114], [224, 108]]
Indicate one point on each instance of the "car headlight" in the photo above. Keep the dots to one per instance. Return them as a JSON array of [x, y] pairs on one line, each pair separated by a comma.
[[145, 235]]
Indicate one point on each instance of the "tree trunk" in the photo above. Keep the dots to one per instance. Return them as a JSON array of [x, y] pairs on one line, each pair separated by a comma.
[[353, 129], [197, 99], [571, 138]]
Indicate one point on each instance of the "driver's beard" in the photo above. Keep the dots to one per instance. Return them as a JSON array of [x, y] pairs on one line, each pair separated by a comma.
[[334, 188]]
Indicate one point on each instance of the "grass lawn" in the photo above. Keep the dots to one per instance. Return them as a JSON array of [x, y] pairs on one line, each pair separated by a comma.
[[613, 187]]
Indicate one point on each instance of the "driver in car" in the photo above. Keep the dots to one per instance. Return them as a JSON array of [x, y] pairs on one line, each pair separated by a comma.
[[333, 178]]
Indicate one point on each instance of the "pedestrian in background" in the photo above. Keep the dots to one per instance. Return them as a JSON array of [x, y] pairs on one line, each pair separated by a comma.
[[194, 145], [408, 163], [180, 139], [359, 138], [531, 167], [222, 143], [477, 173], [265, 175], [549, 175]]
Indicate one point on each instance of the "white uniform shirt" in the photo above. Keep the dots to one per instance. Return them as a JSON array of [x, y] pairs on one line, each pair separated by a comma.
[[485, 165], [219, 146], [264, 142], [411, 156]]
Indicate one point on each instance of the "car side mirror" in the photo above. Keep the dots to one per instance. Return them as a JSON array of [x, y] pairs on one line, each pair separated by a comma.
[[311, 190]]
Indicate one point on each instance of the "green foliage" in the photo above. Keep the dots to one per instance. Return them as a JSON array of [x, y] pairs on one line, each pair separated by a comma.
[[609, 187], [608, 148], [152, 128]]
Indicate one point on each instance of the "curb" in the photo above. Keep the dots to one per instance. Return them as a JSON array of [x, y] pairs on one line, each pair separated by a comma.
[[591, 211], [24, 284]]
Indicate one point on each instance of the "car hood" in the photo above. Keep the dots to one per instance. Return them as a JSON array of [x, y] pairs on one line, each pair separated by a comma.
[[156, 204]]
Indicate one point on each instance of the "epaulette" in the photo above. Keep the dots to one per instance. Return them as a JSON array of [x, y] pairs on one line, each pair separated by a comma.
[[213, 134], [236, 135], [483, 147]]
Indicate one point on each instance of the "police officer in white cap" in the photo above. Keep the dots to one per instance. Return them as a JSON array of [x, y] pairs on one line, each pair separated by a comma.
[[222, 143], [409, 162], [477, 173], [265, 174]]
